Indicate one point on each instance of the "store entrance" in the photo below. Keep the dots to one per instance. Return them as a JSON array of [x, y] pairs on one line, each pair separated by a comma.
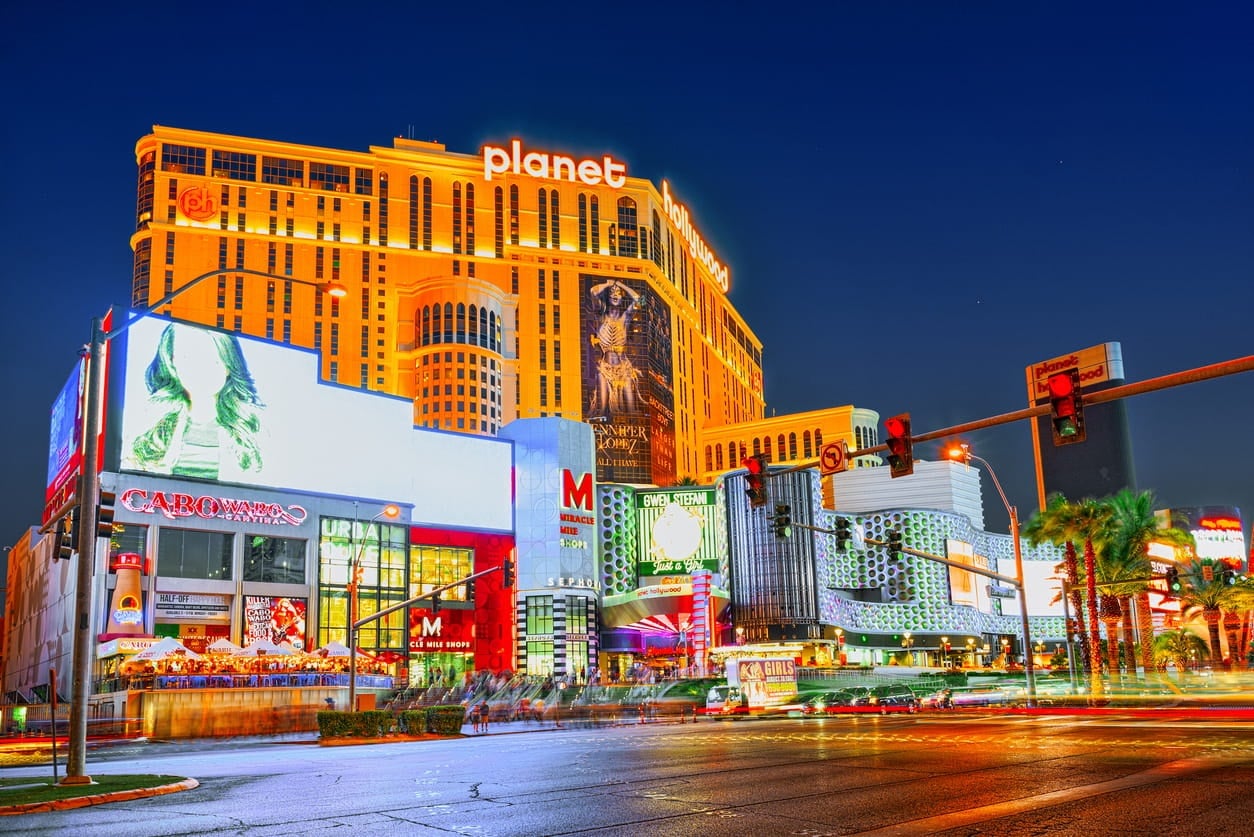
[[439, 669]]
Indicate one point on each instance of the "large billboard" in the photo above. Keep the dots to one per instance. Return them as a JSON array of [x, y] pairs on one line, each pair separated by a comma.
[[628, 389], [65, 441], [679, 531], [206, 404]]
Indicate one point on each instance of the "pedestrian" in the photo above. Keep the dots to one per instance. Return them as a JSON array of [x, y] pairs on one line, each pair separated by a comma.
[[484, 715]]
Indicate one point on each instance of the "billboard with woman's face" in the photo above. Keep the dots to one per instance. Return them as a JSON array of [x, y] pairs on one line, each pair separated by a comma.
[[199, 403], [627, 380]]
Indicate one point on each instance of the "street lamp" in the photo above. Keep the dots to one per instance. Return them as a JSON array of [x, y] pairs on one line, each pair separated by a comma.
[[962, 453], [971, 650], [88, 502], [907, 642], [354, 577]]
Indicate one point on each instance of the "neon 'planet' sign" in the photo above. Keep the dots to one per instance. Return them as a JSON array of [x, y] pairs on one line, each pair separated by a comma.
[[512, 160]]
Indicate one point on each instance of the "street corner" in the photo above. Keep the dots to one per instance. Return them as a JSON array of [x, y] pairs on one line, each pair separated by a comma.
[[98, 798]]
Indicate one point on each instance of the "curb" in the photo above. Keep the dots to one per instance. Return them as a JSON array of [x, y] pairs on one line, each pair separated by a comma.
[[97, 799]]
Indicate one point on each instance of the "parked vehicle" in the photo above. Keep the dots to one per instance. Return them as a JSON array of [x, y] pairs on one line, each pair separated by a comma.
[[894, 698], [829, 703]]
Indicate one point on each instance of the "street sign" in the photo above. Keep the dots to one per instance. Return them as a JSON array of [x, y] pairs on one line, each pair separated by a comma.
[[997, 591], [833, 457]]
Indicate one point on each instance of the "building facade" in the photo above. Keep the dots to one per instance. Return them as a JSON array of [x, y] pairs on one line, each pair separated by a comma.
[[511, 283]]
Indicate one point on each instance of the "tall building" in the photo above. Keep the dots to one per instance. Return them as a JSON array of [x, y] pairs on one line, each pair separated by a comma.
[[511, 283]]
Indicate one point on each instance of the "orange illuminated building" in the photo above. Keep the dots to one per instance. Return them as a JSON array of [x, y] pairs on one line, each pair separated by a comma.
[[512, 282]]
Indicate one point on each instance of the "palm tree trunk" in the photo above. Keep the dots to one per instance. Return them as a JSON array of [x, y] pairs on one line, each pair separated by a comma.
[[1129, 636], [1145, 627], [1072, 568], [1095, 633], [1212, 627], [1231, 623]]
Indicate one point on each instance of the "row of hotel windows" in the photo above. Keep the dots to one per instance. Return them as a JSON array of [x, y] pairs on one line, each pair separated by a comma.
[[784, 450]]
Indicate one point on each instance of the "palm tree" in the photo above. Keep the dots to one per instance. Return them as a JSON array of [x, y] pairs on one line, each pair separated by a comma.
[[1055, 525], [1089, 517], [1207, 597], [1180, 647], [1131, 528]]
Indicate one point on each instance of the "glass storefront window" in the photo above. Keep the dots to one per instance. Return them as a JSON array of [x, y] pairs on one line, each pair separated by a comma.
[[185, 553], [380, 551], [279, 560]]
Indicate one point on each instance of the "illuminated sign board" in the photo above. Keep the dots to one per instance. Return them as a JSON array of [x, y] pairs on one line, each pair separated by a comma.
[[697, 248], [278, 619], [448, 630], [680, 531], [965, 587], [173, 505], [1097, 364], [272, 423], [65, 441], [203, 607], [513, 160]]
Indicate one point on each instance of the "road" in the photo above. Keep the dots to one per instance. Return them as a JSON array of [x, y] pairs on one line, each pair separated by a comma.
[[937, 774]]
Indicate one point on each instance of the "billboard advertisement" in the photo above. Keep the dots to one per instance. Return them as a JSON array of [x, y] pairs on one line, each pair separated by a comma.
[[278, 619], [1218, 533], [65, 441], [628, 390], [212, 405], [679, 531]]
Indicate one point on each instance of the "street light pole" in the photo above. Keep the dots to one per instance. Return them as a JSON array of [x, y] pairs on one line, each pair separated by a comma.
[[88, 502], [389, 511], [964, 453]]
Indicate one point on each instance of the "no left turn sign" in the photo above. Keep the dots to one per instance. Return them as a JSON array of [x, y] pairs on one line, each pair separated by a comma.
[[833, 457]]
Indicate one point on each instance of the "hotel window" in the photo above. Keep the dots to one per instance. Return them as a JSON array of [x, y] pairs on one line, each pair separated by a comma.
[[272, 257], [168, 287], [184, 553], [287, 331], [792, 447], [274, 560], [364, 183], [274, 225], [318, 334], [335, 231], [542, 217], [557, 285], [182, 159], [557, 391], [557, 354], [146, 190], [270, 296], [413, 212], [544, 390], [142, 268], [583, 223], [322, 230], [319, 265], [239, 293], [328, 176], [169, 248], [269, 328], [365, 345], [595, 223], [290, 229], [544, 354], [335, 371], [555, 223], [628, 237], [364, 381], [426, 213], [287, 297], [274, 200], [543, 318], [805, 444], [513, 281], [335, 338], [238, 323], [383, 210], [470, 223], [221, 291], [541, 281], [656, 250], [287, 259], [498, 215], [557, 317], [283, 172], [235, 165], [513, 216], [457, 217]]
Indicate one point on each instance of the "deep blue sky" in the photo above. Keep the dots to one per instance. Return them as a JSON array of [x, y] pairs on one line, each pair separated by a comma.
[[916, 199]]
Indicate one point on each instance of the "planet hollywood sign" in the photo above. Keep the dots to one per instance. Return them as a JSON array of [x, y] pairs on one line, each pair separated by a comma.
[[174, 505], [542, 164]]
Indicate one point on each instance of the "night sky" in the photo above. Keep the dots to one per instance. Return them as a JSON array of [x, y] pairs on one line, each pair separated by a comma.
[[916, 199]]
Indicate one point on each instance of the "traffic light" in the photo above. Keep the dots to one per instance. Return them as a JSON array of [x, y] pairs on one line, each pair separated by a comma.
[[894, 541], [1066, 409], [900, 447], [783, 521], [435, 602], [68, 538], [1172, 577], [844, 531], [755, 479], [507, 572], [104, 514]]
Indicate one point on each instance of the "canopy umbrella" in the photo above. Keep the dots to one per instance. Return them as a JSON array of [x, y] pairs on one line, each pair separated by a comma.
[[222, 645], [265, 647], [167, 647], [334, 648]]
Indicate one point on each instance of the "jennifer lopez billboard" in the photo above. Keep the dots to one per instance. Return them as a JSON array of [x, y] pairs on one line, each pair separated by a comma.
[[627, 385]]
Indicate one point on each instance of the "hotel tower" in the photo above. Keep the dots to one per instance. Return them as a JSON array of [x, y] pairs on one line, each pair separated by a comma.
[[515, 282]]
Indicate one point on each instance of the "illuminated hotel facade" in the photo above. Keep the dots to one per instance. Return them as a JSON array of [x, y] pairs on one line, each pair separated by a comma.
[[510, 283]]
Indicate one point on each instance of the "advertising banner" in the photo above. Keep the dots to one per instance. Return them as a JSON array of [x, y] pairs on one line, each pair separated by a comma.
[[764, 681], [448, 630], [629, 397], [278, 619], [681, 531], [202, 607]]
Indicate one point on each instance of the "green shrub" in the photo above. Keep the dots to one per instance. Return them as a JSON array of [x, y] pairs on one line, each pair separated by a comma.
[[446, 720], [412, 721], [374, 723]]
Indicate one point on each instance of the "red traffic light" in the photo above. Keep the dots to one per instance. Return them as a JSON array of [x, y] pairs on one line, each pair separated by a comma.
[[1061, 385], [755, 480], [900, 446], [1066, 407], [753, 464]]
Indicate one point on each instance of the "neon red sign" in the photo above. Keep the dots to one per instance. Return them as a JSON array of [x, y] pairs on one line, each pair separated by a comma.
[[174, 505]]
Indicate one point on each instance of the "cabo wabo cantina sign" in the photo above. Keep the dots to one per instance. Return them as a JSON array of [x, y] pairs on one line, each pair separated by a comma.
[[174, 505], [590, 172]]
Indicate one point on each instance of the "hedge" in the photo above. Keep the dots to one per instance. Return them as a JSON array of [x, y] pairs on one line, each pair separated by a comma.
[[380, 723]]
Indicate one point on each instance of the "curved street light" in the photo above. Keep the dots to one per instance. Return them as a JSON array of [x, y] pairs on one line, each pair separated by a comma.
[[962, 453], [354, 578], [89, 500]]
